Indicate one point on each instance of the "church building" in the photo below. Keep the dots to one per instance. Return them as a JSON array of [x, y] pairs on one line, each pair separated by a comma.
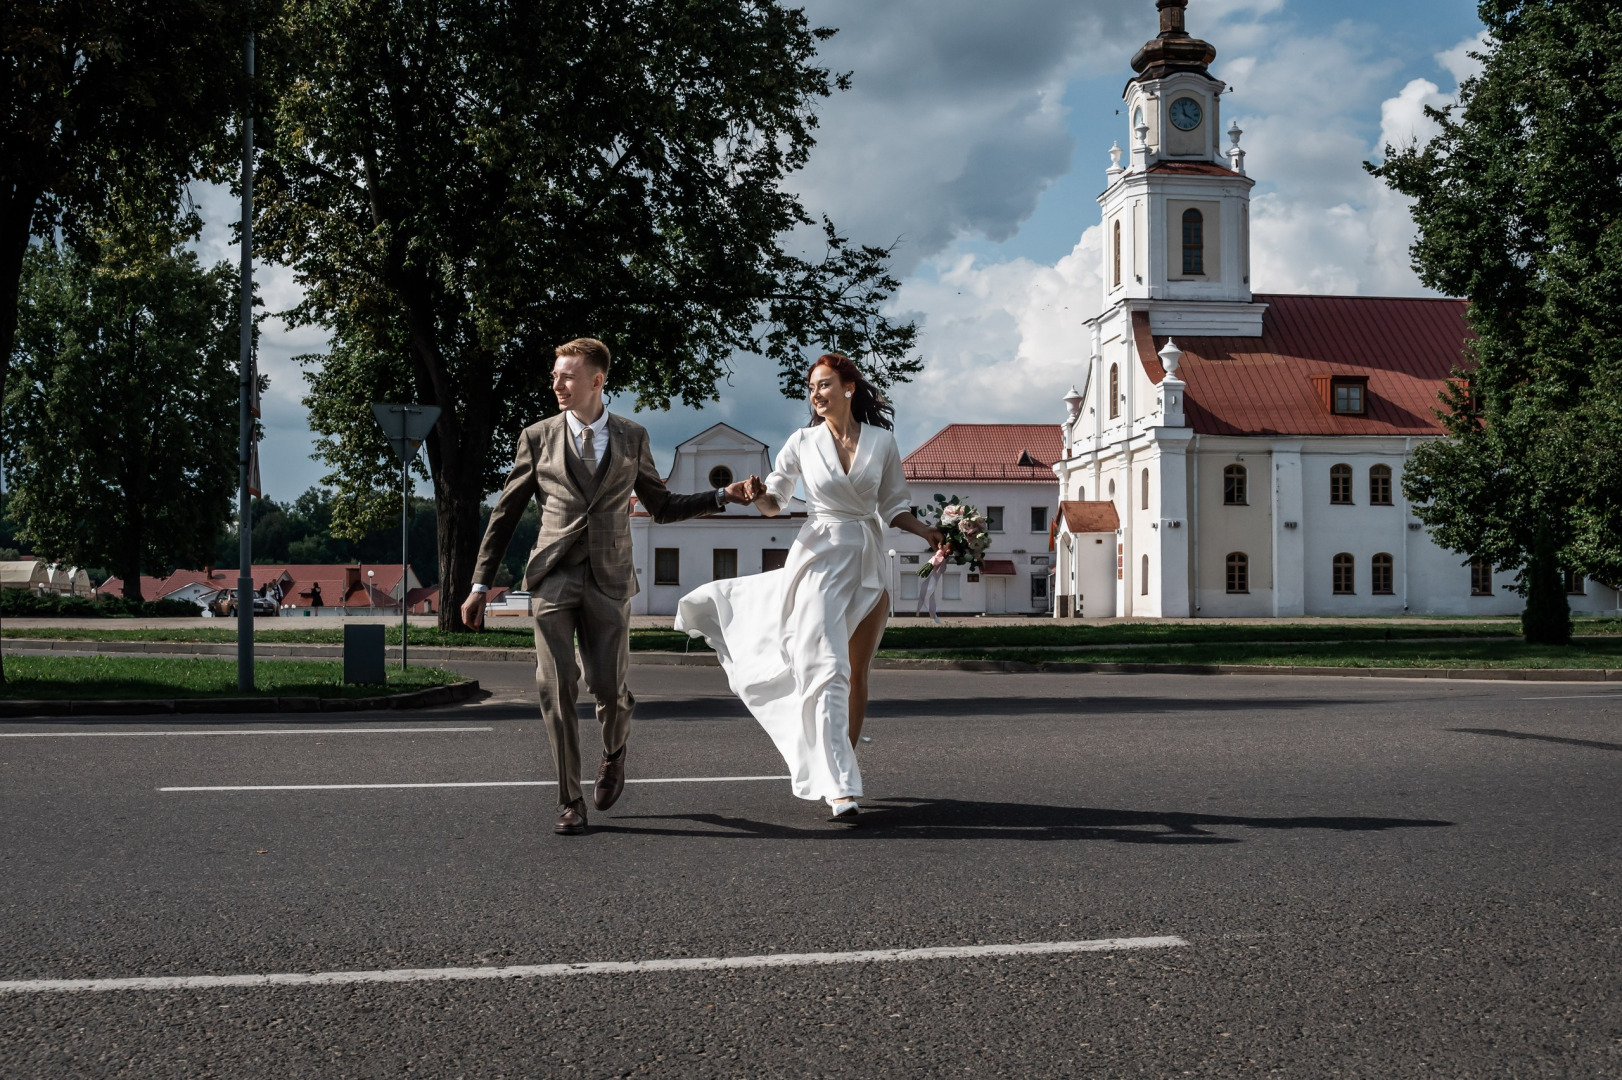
[[1237, 454]]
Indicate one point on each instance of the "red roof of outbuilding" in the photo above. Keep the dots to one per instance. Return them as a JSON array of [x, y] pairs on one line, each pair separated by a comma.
[[1089, 516], [1406, 348], [987, 452]]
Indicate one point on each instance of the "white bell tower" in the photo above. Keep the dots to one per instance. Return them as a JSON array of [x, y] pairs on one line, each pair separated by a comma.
[[1177, 209]]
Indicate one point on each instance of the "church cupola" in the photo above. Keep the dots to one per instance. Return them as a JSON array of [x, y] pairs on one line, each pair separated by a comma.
[[1175, 49]]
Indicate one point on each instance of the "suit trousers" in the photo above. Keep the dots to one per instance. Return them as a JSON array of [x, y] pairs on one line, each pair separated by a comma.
[[569, 606]]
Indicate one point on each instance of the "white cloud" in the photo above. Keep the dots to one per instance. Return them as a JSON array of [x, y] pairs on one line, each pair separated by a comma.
[[1458, 61]]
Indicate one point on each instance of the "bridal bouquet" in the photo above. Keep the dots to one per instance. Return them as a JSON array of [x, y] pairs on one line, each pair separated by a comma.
[[967, 535]]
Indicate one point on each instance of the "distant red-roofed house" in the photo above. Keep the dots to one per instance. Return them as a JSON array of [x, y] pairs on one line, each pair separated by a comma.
[[981, 464], [354, 589], [1251, 445]]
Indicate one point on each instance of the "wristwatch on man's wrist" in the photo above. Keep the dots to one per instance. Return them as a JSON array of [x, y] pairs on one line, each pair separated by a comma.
[[720, 497]]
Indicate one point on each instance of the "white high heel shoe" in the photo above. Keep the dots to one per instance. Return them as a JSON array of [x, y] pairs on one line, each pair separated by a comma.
[[843, 810]]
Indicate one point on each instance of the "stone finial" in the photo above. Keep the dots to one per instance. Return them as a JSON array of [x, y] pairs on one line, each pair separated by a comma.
[[1236, 154], [1072, 402], [1115, 157], [1170, 357]]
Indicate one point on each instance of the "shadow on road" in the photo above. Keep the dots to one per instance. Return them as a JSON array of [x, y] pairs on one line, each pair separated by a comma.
[[960, 819], [1500, 733], [730, 708]]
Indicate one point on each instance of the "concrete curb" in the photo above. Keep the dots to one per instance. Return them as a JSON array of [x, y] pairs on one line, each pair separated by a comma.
[[416, 699], [651, 658]]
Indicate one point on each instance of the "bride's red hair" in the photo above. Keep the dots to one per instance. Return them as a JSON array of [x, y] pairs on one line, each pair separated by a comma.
[[867, 405]]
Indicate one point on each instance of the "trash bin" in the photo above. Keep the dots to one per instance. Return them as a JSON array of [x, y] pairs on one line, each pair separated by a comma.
[[363, 654]]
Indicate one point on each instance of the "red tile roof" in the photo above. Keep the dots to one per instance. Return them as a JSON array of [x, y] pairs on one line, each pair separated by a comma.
[[987, 452], [1089, 517], [1407, 349], [155, 588], [1191, 168], [341, 585]]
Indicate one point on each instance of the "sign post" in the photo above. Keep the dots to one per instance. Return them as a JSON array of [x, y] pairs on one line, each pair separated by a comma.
[[405, 426], [245, 451]]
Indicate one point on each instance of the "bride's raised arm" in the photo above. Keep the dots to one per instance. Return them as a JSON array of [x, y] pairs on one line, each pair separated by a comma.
[[785, 476]]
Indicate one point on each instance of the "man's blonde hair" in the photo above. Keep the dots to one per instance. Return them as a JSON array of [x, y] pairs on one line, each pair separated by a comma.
[[588, 349]]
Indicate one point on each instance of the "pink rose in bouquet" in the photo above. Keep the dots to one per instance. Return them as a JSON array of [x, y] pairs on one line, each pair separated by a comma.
[[967, 536]]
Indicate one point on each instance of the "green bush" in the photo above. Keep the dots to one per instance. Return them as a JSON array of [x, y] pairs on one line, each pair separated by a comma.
[[20, 603]]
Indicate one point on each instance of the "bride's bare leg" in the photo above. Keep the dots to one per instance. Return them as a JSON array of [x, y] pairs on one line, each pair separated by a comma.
[[864, 643]]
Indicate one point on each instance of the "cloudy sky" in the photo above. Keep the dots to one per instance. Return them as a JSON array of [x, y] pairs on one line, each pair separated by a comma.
[[976, 137]]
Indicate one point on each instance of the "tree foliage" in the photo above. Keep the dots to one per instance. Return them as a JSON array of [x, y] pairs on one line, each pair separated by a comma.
[[120, 450], [1519, 206], [461, 185], [100, 101]]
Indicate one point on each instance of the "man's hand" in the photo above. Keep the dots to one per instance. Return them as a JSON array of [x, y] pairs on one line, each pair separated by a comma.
[[473, 610]]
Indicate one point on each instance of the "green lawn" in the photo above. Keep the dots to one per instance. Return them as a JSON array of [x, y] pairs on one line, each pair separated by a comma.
[[905, 634], [1586, 652], [40, 677]]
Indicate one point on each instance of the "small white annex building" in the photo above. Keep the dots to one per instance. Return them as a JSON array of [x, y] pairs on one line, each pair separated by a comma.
[[1231, 454], [673, 559]]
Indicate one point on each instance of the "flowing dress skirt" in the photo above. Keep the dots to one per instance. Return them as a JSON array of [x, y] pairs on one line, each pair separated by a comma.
[[783, 638]]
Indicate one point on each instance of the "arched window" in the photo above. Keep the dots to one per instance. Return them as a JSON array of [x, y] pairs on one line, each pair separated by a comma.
[[1145, 489], [1381, 578], [1112, 490], [720, 476], [1114, 391], [1340, 485], [1238, 572], [1145, 586], [1235, 486], [1380, 485], [1115, 278], [1480, 577], [1193, 242], [1345, 576]]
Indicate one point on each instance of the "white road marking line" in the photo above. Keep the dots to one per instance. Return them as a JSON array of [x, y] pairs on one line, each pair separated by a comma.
[[544, 971], [278, 731], [469, 784], [1567, 697]]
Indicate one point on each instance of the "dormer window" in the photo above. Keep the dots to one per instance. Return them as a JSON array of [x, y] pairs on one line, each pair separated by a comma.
[[1349, 396], [1193, 242]]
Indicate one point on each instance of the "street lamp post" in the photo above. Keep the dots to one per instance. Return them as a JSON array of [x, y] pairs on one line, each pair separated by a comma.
[[371, 597], [895, 580], [245, 406]]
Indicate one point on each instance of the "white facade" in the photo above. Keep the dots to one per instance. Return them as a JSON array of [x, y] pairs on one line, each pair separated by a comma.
[[1019, 564], [1177, 263]]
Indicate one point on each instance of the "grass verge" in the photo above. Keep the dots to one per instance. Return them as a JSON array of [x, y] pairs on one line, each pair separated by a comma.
[[36, 678], [1595, 652]]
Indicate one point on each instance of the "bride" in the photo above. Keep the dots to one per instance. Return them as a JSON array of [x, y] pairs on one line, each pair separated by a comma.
[[797, 643]]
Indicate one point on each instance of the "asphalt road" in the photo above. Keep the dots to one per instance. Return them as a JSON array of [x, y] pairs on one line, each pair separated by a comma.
[[1373, 878]]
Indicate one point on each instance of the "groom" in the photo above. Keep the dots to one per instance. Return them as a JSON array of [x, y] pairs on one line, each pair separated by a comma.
[[581, 468]]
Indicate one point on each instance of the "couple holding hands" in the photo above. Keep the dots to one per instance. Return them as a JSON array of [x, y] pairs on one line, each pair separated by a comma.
[[795, 643]]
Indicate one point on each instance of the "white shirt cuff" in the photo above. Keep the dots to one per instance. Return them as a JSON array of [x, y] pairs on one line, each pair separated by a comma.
[[480, 588]]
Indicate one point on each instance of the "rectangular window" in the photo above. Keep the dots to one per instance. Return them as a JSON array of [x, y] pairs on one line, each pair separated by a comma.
[[994, 518], [1380, 485], [723, 563], [1480, 577], [773, 558], [1039, 590], [911, 583], [1235, 486], [1039, 519], [1344, 579], [952, 589], [667, 566], [1382, 575], [1238, 573], [1575, 583], [1340, 485]]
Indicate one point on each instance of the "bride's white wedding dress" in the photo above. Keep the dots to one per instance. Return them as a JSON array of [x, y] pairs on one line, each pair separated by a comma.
[[783, 637]]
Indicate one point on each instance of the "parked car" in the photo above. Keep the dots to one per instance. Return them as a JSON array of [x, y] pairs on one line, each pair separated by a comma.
[[224, 604]]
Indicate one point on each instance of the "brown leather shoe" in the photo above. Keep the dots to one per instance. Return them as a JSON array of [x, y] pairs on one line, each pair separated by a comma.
[[572, 821], [610, 781]]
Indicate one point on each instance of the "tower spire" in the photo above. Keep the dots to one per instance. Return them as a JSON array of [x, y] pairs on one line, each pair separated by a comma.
[[1174, 49]]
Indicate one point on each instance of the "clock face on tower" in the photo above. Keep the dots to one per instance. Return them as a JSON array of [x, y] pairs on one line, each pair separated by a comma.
[[1186, 114]]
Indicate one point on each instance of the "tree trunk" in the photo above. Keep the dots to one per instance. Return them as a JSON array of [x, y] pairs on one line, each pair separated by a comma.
[[129, 564], [457, 500], [1547, 617]]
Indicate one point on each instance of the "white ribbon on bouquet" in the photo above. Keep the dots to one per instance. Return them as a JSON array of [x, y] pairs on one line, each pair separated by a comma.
[[930, 593]]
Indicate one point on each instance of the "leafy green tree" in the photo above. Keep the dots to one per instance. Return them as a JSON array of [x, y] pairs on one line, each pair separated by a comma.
[[460, 186], [120, 445], [102, 100], [1519, 206]]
